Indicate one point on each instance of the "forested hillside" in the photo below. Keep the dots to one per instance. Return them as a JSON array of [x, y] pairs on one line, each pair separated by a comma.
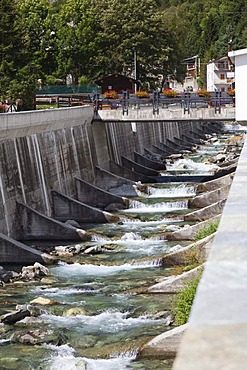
[[47, 40]]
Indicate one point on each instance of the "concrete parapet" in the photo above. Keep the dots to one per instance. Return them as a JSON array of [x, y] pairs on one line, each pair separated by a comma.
[[12, 251], [217, 330], [168, 114], [33, 122], [66, 208], [96, 197]]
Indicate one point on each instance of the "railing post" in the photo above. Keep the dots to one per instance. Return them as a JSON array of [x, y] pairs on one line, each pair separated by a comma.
[[125, 103], [96, 101], [217, 107], [156, 97], [187, 97]]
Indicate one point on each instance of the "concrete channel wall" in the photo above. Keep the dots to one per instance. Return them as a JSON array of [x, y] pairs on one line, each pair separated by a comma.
[[41, 151], [216, 335]]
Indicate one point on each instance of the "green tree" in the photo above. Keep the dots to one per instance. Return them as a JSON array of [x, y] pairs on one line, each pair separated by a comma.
[[76, 38], [16, 78], [137, 24], [38, 22]]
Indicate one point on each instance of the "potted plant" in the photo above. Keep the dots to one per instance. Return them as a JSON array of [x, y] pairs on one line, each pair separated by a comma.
[[142, 94], [110, 94], [3, 108], [231, 92], [169, 93], [203, 93]]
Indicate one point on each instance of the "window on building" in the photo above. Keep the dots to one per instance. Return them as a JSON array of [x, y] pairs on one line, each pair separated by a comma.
[[222, 76]]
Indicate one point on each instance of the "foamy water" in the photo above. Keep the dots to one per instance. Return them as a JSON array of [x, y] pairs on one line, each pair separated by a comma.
[[106, 322], [189, 164], [64, 358], [172, 192], [139, 207], [75, 269]]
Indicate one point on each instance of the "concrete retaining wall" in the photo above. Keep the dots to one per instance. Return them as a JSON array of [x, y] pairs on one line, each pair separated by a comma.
[[216, 335], [44, 150]]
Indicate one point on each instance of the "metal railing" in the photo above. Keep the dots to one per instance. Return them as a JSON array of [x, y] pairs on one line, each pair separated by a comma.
[[157, 101]]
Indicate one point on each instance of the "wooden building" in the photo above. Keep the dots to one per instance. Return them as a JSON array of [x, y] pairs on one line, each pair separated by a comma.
[[117, 82]]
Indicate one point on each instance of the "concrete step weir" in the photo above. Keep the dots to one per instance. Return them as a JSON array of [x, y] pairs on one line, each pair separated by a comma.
[[115, 184], [141, 159], [12, 250], [136, 167], [34, 225], [128, 173], [96, 197], [66, 208]]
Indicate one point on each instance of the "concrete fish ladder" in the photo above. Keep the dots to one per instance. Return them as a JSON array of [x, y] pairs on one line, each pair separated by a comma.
[[66, 208], [96, 197], [33, 225], [12, 251]]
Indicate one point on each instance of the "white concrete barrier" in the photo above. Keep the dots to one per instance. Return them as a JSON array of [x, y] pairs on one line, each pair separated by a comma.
[[227, 113], [19, 124], [216, 336]]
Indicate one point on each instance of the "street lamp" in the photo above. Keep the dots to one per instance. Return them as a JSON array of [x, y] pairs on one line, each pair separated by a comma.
[[135, 68]]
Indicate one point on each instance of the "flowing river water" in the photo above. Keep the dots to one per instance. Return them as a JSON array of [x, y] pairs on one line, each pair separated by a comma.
[[103, 315]]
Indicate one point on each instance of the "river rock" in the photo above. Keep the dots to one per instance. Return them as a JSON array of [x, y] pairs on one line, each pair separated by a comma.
[[7, 276], [33, 310], [76, 249], [22, 311], [12, 317], [62, 251], [34, 337], [72, 223], [114, 207], [141, 187], [48, 259], [84, 235], [31, 272], [218, 158], [88, 341], [94, 250], [171, 228], [44, 301], [66, 251], [176, 156], [49, 280], [74, 311]]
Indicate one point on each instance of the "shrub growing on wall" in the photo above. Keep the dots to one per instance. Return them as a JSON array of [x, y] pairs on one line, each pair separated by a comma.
[[184, 301]]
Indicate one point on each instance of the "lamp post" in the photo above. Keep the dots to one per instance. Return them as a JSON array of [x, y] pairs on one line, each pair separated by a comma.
[[135, 67]]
